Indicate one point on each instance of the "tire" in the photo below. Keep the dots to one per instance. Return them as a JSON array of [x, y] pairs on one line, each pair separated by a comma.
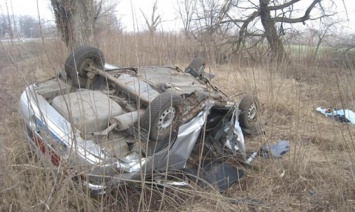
[[196, 67], [162, 116], [80, 60], [249, 111]]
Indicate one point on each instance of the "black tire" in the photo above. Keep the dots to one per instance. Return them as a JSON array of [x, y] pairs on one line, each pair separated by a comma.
[[196, 67], [162, 116], [80, 60], [249, 111]]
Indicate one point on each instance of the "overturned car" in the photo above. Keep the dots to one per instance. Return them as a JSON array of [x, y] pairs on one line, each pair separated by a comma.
[[118, 124]]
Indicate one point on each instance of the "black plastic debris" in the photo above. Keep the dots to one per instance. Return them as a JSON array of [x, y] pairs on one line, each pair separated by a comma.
[[341, 118], [216, 173], [274, 150]]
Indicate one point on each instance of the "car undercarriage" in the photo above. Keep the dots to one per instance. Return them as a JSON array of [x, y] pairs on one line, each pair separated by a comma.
[[115, 123]]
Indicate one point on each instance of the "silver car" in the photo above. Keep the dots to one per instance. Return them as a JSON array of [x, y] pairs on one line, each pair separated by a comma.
[[123, 124]]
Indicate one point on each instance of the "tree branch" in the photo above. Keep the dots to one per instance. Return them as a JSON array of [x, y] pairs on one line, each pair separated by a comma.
[[300, 19], [243, 29], [282, 6]]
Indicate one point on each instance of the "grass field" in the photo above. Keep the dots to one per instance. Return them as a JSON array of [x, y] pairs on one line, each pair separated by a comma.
[[316, 175]]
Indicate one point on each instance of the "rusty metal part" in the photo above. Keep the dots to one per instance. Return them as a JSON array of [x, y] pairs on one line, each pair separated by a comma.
[[115, 81], [106, 131], [125, 121], [125, 104]]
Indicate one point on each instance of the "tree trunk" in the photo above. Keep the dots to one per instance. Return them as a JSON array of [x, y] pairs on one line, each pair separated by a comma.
[[272, 37], [75, 21]]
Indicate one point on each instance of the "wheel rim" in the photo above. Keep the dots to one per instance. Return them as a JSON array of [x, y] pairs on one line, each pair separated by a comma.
[[252, 112], [86, 66], [166, 118], [200, 69]]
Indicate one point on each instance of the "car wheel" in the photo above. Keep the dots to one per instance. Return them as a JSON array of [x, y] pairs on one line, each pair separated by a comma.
[[162, 116], [196, 67], [81, 61], [249, 111]]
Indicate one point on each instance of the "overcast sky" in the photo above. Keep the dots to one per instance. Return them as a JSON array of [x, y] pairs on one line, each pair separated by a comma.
[[166, 8]]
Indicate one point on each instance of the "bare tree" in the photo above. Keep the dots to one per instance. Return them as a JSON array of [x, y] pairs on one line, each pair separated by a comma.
[[269, 22], [107, 24], [321, 33], [206, 28], [3, 26], [107, 20], [75, 21], [185, 11], [28, 27], [274, 17], [155, 19], [10, 26]]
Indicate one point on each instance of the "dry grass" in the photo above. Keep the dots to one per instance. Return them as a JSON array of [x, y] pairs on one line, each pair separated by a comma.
[[317, 174]]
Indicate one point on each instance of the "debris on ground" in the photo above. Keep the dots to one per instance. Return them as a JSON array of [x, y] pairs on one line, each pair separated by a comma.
[[216, 173], [274, 150], [342, 115]]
